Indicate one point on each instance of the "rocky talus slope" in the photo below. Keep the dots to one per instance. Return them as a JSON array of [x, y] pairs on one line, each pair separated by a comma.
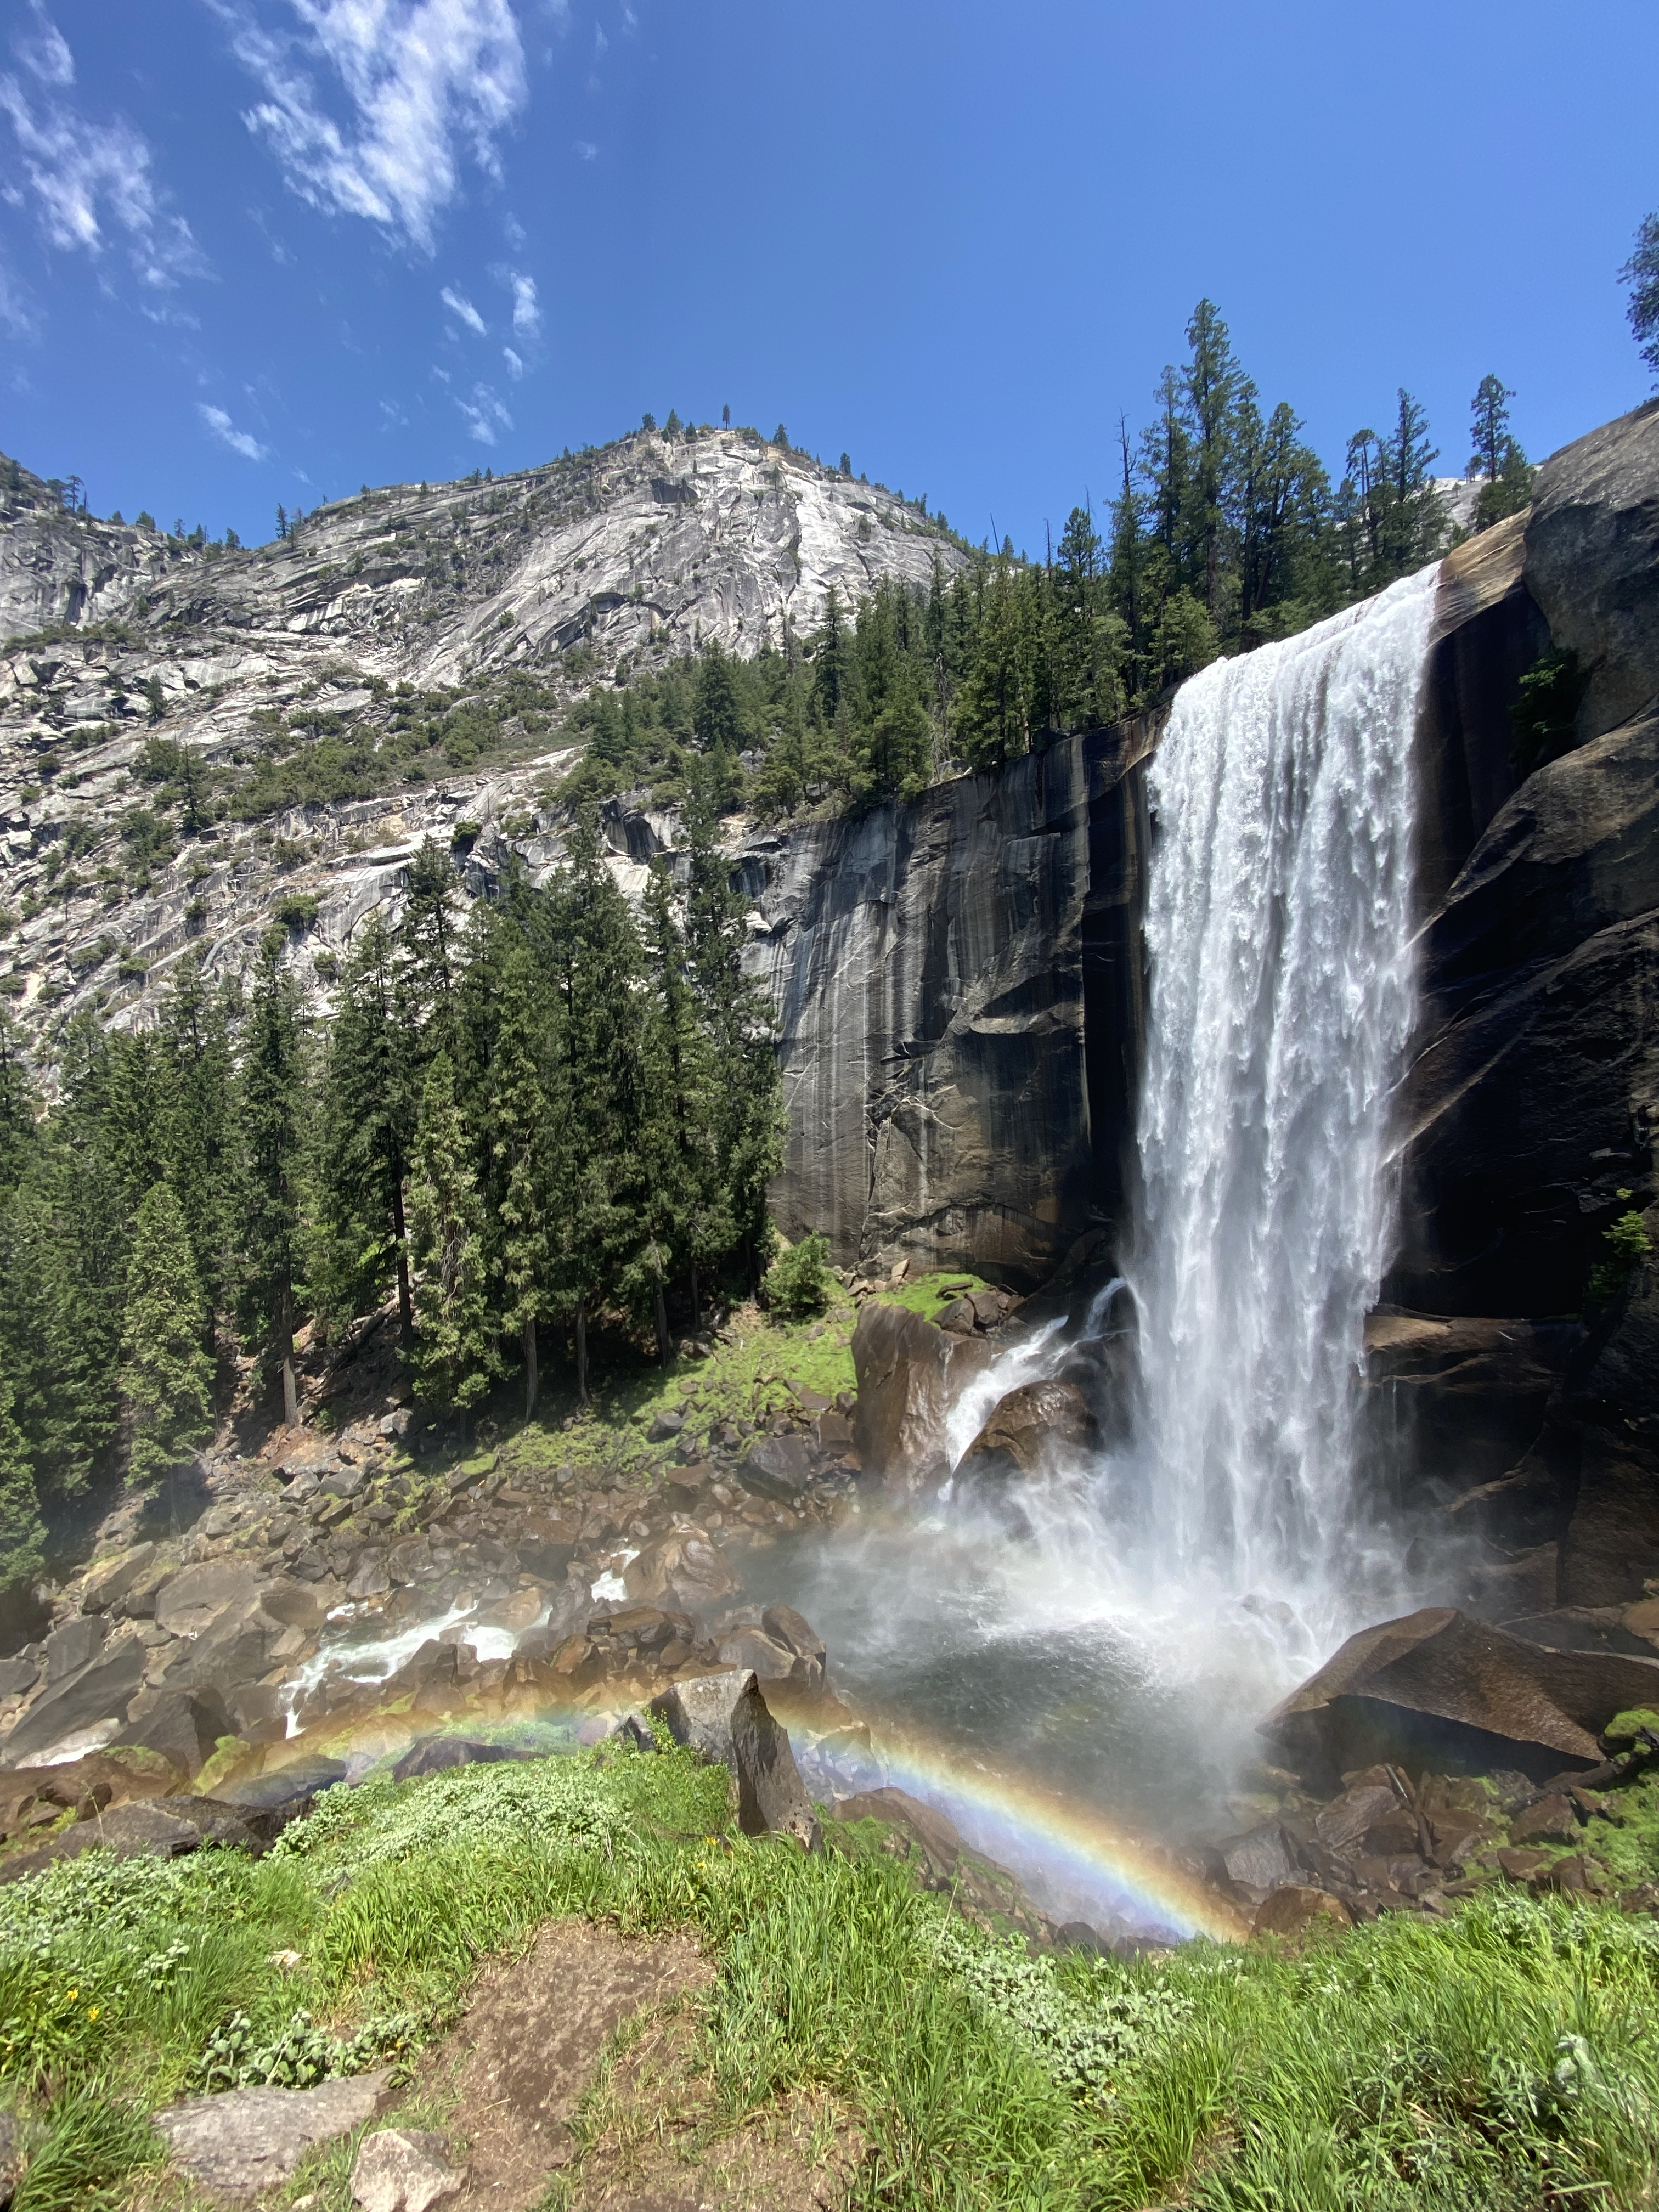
[[495, 603]]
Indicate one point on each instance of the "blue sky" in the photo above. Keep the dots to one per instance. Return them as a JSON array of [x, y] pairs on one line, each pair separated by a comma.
[[263, 250]]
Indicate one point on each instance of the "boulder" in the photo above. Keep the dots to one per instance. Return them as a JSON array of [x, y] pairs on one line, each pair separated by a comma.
[[685, 1487], [153, 1828], [770, 1661], [109, 1580], [547, 1544], [266, 1803], [300, 1605], [369, 1578], [1262, 1858], [403, 2170], [778, 1468], [18, 1676], [927, 1827], [1343, 1825], [437, 1755], [797, 1635], [183, 1725], [909, 1375], [1028, 1429], [73, 1644], [188, 1603], [724, 1718], [242, 2140], [1437, 1690], [1294, 1909], [90, 1704], [685, 1569], [832, 1432]]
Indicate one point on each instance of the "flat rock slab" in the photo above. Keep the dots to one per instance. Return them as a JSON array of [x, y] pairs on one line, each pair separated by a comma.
[[240, 2142], [96, 1696]]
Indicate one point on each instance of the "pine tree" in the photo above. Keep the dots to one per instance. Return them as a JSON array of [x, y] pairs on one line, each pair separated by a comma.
[[199, 1141], [516, 1101], [454, 1356], [1496, 458], [1411, 525], [1211, 384], [595, 958], [167, 1377], [365, 1111], [23, 1531], [426, 951], [274, 1116], [1641, 273], [17, 1103]]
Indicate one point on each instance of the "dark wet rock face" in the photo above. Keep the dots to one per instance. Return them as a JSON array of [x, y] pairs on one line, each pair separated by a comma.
[[909, 1375], [1030, 1430], [1516, 1393], [1437, 1690], [958, 990]]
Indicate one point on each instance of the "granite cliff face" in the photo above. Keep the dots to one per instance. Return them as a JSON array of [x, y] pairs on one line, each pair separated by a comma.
[[564, 575], [1531, 1106], [958, 981]]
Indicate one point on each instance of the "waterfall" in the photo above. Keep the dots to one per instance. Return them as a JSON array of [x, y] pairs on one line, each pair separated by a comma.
[[1278, 935]]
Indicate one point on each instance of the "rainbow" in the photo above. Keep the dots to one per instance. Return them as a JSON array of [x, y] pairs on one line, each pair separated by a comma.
[[1065, 1849], [1063, 1846]]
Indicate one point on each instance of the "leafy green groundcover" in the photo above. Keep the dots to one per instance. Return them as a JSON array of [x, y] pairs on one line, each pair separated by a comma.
[[1508, 2058]]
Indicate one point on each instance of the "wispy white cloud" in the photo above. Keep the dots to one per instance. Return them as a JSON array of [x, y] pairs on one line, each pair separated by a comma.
[[89, 178], [526, 315], [601, 44], [422, 77], [239, 442], [17, 311], [587, 150], [44, 51], [484, 414], [514, 366], [460, 306]]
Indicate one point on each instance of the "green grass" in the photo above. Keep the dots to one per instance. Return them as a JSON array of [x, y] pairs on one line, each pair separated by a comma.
[[1506, 2058], [746, 1379]]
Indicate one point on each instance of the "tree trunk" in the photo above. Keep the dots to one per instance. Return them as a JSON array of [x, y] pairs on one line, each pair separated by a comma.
[[696, 1302], [406, 1304], [582, 1351], [660, 1315], [531, 1378], [285, 1356]]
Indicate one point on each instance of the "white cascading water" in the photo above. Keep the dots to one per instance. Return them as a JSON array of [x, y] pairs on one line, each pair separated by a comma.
[[1279, 938]]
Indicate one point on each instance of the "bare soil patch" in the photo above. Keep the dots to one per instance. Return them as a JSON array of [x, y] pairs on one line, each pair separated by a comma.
[[530, 2044], [656, 2137], [574, 2080]]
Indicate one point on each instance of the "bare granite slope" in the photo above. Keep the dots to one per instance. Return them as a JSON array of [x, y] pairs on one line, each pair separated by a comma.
[[566, 575]]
